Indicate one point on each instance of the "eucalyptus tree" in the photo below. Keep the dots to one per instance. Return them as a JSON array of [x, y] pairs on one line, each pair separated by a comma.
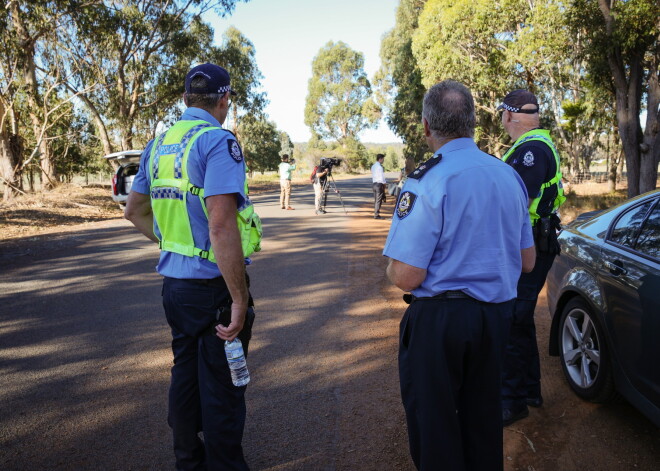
[[260, 141], [136, 55], [466, 40], [237, 55], [285, 144], [31, 83], [623, 50], [400, 82], [338, 104]]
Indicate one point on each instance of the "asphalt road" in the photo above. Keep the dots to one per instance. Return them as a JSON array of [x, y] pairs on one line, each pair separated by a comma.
[[84, 348], [85, 356]]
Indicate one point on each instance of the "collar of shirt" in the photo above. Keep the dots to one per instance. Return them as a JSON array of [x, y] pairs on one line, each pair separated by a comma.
[[192, 114], [457, 144]]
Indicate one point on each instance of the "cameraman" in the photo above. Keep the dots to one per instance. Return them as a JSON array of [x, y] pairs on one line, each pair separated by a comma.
[[320, 189], [285, 170], [378, 183]]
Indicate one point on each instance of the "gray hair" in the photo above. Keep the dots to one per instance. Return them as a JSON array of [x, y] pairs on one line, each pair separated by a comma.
[[449, 110], [205, 101]]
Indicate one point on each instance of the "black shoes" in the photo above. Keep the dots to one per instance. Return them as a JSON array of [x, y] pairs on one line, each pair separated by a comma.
[[510, 416], [535, 401], [377, 217]]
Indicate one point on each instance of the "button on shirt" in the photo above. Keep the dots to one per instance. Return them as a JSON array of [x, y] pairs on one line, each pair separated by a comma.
[[377, 173], [465, 222], [212, 167]]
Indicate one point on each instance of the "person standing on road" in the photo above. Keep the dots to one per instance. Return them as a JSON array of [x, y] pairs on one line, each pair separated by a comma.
[[459, 238], [320, 189], [378, 182], [189, 196], [285, 170], [535, 158]]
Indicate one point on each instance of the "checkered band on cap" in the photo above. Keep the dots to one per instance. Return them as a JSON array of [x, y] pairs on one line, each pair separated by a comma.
[[513, 109], [224, 89]]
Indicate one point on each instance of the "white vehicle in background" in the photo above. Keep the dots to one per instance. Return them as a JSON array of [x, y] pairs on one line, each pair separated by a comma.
[[126, 164]]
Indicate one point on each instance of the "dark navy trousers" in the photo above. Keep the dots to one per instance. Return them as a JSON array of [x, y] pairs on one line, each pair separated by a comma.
[[450, 352], [521, 373], [202, 397]]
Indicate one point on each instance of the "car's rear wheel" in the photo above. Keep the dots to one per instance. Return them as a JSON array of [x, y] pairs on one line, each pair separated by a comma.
[[584, 353]]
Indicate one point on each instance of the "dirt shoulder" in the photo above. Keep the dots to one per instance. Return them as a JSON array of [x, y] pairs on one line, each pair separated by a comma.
[[68, 206]]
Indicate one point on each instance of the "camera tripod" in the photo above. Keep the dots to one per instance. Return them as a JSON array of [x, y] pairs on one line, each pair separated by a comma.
[[331, 185]]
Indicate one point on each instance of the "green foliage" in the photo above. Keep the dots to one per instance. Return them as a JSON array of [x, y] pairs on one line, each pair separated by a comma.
[[400, 82], [285, 144], [337, 105], [260, 141], [237, 55]]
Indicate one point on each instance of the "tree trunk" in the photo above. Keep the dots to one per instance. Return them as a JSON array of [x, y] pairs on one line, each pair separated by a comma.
[[99, 124], [28, 70], [10, 157], [650, 147]]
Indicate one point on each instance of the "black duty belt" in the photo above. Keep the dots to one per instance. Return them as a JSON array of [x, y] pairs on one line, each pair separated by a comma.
[[216, 282], [451, 294]]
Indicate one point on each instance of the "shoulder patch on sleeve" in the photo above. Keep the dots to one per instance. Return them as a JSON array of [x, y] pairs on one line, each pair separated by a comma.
[[420, 171], [234, 150], [405, 204], [528, 159]]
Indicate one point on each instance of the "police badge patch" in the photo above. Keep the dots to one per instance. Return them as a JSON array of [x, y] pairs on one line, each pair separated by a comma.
[[405, 205], [234, 150], [528, 159]]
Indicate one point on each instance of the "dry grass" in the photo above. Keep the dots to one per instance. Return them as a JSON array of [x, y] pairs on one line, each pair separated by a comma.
[[586, 197], [72, 204]]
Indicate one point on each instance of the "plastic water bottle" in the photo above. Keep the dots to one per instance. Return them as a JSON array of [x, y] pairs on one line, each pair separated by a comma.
[[240, 375]]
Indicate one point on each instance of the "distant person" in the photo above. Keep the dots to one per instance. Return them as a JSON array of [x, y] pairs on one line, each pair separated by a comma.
[[378, 183], [186, 197], [535, 158], [459, 238], [320, 189], [285, 170]]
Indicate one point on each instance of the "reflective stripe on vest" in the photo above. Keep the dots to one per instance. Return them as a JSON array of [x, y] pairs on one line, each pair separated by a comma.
[[542, 135], [170, 189]]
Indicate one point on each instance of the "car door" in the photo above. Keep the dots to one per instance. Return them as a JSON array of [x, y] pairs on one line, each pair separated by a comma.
[[629, 281]]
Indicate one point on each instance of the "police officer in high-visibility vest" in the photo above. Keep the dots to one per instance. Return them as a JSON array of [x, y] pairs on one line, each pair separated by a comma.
[[190, 197], [535, 158]]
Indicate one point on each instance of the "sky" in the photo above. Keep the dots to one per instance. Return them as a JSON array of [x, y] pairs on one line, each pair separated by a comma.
[[288, 34]]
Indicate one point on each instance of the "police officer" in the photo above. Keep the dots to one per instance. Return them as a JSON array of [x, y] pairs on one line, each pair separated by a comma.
[[459, 238], [535, 158], [190, 197]]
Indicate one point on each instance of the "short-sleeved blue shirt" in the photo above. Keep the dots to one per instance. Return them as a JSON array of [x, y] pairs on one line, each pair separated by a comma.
[[465, 222], [213, 166]]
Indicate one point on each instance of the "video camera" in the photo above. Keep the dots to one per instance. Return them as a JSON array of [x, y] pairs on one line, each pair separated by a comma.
[[328, 163]]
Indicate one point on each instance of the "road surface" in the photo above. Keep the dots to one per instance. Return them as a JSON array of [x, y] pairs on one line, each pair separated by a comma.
[[85, 356]]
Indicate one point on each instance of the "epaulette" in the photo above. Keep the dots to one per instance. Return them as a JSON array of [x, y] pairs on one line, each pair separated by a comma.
[[420, 171]]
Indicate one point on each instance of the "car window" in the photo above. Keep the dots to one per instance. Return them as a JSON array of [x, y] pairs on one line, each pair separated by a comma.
[[648, 242], [626, 227]]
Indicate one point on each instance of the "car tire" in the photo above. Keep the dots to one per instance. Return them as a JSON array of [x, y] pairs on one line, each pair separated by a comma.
[[584, 353]]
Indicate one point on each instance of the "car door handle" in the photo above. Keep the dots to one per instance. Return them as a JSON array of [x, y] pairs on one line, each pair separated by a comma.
[[615, 269]]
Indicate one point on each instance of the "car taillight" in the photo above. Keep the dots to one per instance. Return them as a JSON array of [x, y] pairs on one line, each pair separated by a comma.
[[114, 185]]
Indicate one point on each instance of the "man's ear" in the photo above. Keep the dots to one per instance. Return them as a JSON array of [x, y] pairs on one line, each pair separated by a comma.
[[185, 99], [427, 128]]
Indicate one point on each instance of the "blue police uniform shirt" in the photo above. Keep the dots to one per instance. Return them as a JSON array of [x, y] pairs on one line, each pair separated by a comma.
[[213, 164], [464, 221]]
